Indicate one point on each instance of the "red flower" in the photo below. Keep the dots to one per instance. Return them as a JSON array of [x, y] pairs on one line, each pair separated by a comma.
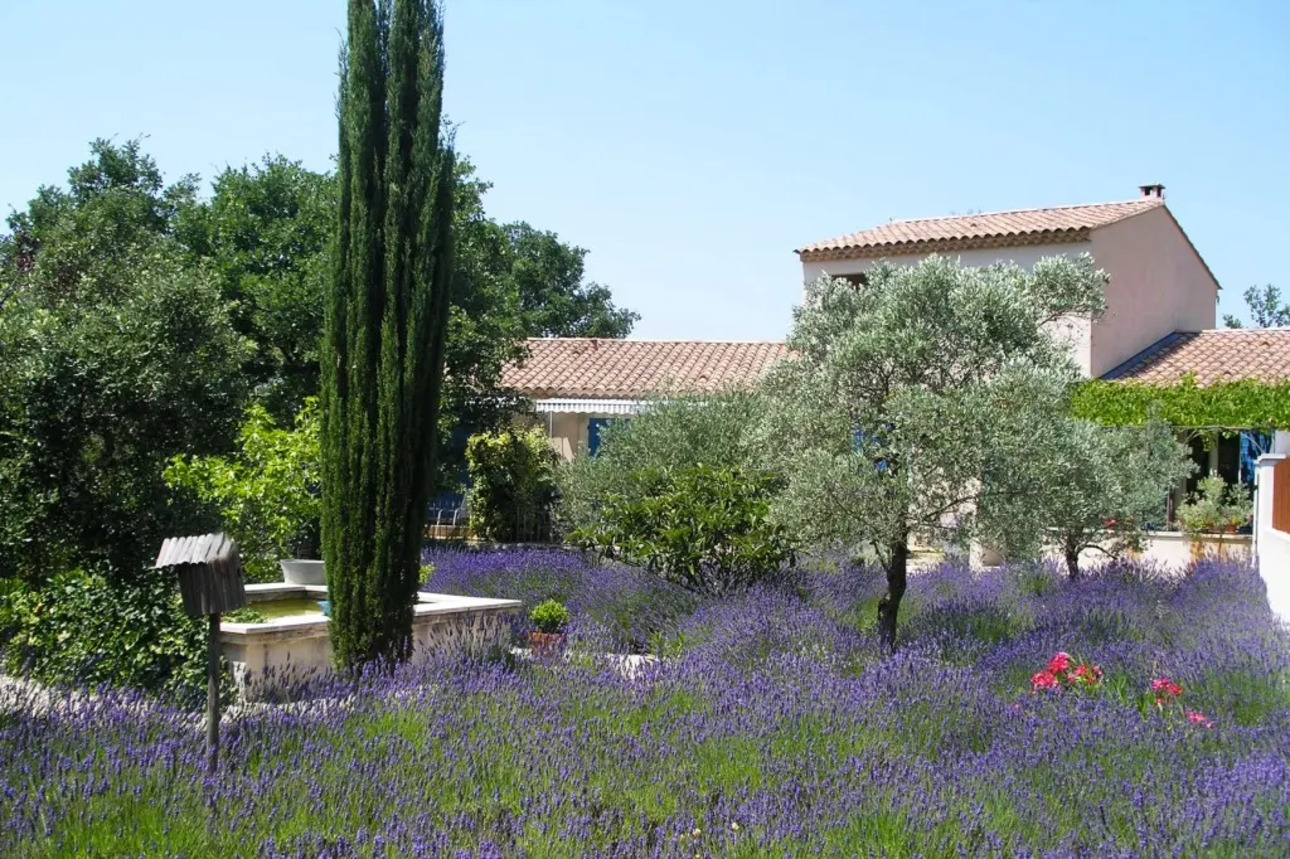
[[1087, 674], [1043, 680], [1164, 684], [1059, 663]]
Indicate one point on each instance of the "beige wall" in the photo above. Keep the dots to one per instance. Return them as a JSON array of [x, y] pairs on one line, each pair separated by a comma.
[[1076, 331], [568, 433], [1024, 256], [1158, 285]]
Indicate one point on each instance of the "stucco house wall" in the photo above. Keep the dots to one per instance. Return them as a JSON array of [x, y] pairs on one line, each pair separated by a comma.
[[567, 432], [1159, 285], [1023, 255], [1078, 332]]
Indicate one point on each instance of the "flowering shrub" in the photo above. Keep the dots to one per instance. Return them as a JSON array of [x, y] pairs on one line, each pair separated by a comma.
[[1059, 674], [779, 728], [1167, 694]]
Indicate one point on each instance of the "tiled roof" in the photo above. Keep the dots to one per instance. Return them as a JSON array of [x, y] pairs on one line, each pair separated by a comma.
[[994, 229], [576, 367], [1211, 356]]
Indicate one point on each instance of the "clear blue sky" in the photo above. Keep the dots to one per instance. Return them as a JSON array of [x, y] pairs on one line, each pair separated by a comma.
[[692, 145]]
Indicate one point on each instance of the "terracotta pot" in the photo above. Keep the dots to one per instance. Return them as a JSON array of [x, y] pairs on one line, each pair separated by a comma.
[[544, 645]]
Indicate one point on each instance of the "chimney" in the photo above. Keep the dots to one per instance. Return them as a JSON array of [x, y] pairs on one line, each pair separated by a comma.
[[1152, 191]]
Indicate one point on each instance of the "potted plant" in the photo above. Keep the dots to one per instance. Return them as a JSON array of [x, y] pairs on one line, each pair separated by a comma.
[[1213, 511], [549, 621]]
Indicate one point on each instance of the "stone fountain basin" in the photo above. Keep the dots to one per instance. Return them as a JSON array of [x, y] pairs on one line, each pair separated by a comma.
[[267, 658]]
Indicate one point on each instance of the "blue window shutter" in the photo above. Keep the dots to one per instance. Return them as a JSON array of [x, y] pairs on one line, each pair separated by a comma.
[[1253, 445], [594, 428]]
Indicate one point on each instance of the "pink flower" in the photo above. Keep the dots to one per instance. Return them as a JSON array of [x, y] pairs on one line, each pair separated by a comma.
[[1043, 680], [1059, 663], [1164, 684], [1198, 718]]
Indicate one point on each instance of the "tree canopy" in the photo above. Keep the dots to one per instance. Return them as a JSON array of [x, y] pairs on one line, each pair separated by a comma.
[[1266, 308], [225, 301], [915, 406]]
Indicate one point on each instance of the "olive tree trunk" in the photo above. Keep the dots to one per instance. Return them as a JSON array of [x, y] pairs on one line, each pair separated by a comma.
[[897, 569]]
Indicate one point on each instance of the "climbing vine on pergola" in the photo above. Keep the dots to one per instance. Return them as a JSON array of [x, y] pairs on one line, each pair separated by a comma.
[[1222, 406]]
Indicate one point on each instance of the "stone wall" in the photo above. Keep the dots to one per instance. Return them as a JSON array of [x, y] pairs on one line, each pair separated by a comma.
[[267, 659]]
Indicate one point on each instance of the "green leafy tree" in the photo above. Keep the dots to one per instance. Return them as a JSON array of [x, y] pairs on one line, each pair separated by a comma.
[[95, 397], [268, 495], [385, 323], [512, 484], [1266, 308], [265, 232], [915, 404], [117, 356], [1105, 485], [707, 529], [554, 300], [80, 243]]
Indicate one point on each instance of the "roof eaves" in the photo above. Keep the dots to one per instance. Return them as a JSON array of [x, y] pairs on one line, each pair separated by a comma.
[[1000, 240]]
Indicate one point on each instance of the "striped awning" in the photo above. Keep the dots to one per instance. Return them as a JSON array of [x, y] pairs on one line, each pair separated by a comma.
[[587, 407]]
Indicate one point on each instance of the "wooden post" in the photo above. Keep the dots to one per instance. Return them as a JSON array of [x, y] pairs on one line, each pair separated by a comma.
[[212, 694]]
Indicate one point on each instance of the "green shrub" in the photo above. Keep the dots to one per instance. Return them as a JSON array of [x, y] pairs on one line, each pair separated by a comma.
[[268, 496], [550, 617], [681, 431], [512, 484], [81, 627], [706, 529]]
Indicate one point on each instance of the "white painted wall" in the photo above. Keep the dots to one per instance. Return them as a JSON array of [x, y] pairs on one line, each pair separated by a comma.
[[1076, 331], [1272, 547], [1158, 285]]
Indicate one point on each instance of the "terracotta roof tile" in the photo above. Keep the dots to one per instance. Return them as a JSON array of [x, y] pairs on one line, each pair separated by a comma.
[[586, 368], [1211, 356], [960, 232]]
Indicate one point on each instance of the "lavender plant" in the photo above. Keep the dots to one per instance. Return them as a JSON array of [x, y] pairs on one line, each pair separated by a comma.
[[780, 729]]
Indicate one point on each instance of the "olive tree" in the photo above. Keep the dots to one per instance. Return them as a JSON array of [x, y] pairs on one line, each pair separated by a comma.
[[1104, 485], [916, 403]]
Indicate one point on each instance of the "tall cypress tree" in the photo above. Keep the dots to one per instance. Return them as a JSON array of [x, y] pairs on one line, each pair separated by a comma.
[[386, 320]]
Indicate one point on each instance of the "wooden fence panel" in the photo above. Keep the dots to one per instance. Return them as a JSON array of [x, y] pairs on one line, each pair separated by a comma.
[[1281, 496]]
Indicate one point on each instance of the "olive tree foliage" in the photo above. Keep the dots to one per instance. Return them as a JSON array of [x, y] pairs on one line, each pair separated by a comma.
[[914, 405], [669, 433], [1103, 487], [1267, 310]]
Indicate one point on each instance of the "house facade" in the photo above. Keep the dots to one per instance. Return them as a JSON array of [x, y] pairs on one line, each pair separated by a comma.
[[1161, 304], [1159, 284]]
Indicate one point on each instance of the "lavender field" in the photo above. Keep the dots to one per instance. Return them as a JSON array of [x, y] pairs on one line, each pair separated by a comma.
[[772, 727]]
